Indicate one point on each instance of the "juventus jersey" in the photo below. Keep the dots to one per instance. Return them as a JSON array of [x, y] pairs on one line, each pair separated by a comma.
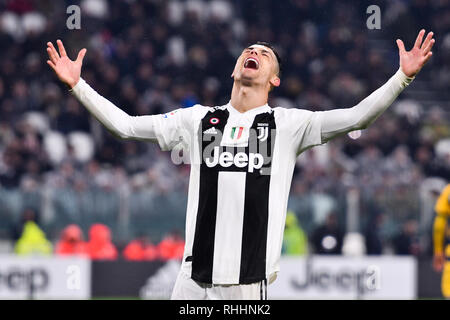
[[240, 179], [241, 171]]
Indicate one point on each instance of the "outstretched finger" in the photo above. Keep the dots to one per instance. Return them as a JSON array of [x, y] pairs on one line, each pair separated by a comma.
[[81, 55], [427, 57], [51, 64], [428, 46], [61, 48], [52, 48], [401, 46], [419, 38], [52, 55], [427, 40]]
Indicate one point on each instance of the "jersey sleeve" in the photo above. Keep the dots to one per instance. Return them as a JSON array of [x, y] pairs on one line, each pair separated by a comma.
[[173, 127], [439, 225], [442, 206], [338, 121], [304, 127], [314, 128], [165, 129]]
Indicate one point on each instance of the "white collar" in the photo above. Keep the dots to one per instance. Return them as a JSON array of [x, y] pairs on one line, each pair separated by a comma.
[[254, 111]]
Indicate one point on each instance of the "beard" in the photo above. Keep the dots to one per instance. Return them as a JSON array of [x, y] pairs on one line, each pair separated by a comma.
[[247, 81]]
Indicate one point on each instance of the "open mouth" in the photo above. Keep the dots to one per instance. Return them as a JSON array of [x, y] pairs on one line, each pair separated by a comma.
[[251, 63]]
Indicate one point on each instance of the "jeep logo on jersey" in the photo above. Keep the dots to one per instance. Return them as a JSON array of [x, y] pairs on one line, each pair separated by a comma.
[[250, 150], [241, 160]]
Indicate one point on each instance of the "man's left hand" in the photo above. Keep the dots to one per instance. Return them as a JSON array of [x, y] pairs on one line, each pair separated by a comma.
[[412, 61]]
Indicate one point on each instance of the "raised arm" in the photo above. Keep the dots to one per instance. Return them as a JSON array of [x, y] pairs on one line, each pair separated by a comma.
[[439, 226], [339, 121], [114, 119], [117, 121]]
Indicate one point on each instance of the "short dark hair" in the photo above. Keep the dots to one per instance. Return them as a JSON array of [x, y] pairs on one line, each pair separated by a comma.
[[271, 47]]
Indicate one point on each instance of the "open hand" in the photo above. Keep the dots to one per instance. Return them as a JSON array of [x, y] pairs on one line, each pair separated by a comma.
[[412, 61], [68, 71]]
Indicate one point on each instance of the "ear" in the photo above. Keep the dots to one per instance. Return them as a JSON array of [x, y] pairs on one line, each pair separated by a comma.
[[275, 81]]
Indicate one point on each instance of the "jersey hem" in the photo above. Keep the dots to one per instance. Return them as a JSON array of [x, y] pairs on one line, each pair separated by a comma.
[[227, 282]]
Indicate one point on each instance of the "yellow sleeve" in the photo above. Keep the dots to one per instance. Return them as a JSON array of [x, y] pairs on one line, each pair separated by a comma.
[[440, 223], [442, 206], [442, 209]]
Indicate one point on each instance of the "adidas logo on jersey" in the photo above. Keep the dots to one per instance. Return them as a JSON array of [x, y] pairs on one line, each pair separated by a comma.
[[211, 130]]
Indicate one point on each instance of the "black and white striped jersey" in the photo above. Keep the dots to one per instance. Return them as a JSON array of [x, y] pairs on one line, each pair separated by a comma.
[[241, 171]]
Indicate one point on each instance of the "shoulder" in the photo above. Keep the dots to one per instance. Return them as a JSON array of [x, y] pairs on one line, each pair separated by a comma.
[[294, 114], [446, 190], [201, 109], [188, 113], [443, 202], [195, 108], [216, 108], [191, 114], [445, 195], [282, 111]]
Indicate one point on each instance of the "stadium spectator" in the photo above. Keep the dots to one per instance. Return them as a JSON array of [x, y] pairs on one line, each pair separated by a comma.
[[295, 241], [407, 242], [32, 241], [71, 242], [29, 214], [328, 238], [139, 250], [373, 239], [100, 246], [171, 246]]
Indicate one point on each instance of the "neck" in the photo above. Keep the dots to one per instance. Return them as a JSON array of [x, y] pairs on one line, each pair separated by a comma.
[[244, 98]]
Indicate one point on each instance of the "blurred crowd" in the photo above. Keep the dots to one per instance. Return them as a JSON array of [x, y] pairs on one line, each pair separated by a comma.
[[153, 56], [30, 239]]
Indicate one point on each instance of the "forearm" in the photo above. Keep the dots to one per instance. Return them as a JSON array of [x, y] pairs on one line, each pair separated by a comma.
[[113, 118], [338, 121], [440, 223]]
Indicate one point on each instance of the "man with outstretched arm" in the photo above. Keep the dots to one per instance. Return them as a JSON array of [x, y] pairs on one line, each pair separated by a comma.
[[242, 157]]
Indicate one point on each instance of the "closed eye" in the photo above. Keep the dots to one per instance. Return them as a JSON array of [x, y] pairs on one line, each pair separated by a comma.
[[265, 53]]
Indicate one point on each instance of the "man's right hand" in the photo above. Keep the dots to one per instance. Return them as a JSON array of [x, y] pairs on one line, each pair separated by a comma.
[[438, 262], [68, 71]]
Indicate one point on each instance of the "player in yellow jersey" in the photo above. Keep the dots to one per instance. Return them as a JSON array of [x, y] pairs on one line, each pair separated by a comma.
[[441, 258]]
